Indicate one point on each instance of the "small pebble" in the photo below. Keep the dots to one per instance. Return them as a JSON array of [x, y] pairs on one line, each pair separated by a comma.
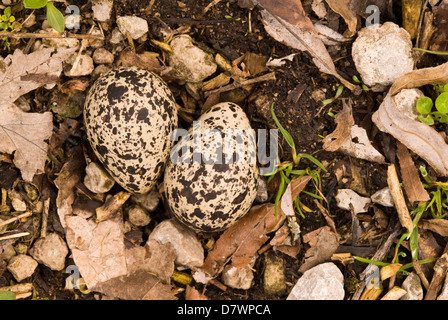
[[383, 197], [136, 26], [101, 55], [348, 199], [138, 216], [97, 179], [50, 251], [22, 266]]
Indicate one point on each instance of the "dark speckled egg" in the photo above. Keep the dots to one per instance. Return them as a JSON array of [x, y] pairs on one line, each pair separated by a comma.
[[211, 177], [129, 115]]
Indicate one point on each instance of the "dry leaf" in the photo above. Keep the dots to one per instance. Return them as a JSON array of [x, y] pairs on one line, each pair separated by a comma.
[[26, 72], [302, 39], [421, 77], [292, 191], [192, 294], [290, 10], [342, 7], [323, 244], [24, 134], [411, 180], [397, 195], [416, 136], [439, 226], [351, 139], [241, 241], [140, 285], [130, 59]]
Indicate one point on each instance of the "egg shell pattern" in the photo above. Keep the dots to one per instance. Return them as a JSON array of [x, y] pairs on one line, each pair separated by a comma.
[[129, 115], [211, 194]]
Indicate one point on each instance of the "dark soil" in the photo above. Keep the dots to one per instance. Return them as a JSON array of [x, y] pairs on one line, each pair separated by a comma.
[[301, 115]]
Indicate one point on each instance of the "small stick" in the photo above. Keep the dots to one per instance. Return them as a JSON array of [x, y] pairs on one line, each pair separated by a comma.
[[16, 235], [211, 4], [440, 270], [23, 215], [236, 85], [45, 211], [112, 205], [17, 35]]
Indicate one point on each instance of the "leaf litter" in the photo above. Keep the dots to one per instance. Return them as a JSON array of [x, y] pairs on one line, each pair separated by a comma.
[[110, 264]]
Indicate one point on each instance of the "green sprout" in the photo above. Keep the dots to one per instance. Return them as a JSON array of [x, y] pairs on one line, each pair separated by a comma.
[[54, 16], [363, 85], [289, 170], [439, 200], [7, 22], [338, 93], [425, 106]]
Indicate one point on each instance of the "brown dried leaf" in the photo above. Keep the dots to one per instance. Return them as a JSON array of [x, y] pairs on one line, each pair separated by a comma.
[[439, 226], [130, 59], [411, 180], [421, 77], [140, 285], [346, 132], [26, 72], [24, 134], [301, 38], [292, 191], [290, 11], [323, 244], [241, 241], [192, 294], [416, 136], [342, 7]]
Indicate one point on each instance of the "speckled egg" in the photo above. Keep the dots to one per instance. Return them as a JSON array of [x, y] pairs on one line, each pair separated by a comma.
[[129, 115], [211, 177]]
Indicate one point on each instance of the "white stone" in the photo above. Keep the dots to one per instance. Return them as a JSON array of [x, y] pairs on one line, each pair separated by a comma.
[[413, 287], [136, 26], [138, 216], [191, 63], [238, 278], [97, 179], [262, 191], [322, 282], [116, 36], [50, 251], [381, 54], [406, 102], [188, 248], [383, 197], [348, 199], [83, 67], [22, 266], [102, 9], [148, 201], [8, 253], [102, 55]]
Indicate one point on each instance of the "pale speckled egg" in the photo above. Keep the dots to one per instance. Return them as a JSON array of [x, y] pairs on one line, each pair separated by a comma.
[[211, 177], [129, 115]]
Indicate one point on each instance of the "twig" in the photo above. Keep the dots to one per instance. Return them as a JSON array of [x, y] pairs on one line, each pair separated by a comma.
[[111, 207], [211, 4], [23, 215], [235, 85], [420, 22], [440, 270], [45, 211], [378, 256], [64, 35], [15, 235]]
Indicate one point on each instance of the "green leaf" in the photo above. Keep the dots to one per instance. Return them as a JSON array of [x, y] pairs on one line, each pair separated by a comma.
[[413, 243], [34, 4], [55, 18], [424, 105], [285, 133], [7, 295], [445, 88], [442, 102], [339, 91], [313, 160], [7, 12], [426, 120]]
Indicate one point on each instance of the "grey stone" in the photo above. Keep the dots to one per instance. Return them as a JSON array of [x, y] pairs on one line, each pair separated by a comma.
[[102, 55], [348, 199], [97, 179], [383, 197], [188, 249], [148, 201], [381, 54], [136, 26], [50, 251], [138, 216], [413, 287], [22, 266], [322, 282], [191, 62], [102, 9]]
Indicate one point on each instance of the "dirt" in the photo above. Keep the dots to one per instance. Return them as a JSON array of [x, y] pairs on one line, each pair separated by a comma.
[[224, 30]]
